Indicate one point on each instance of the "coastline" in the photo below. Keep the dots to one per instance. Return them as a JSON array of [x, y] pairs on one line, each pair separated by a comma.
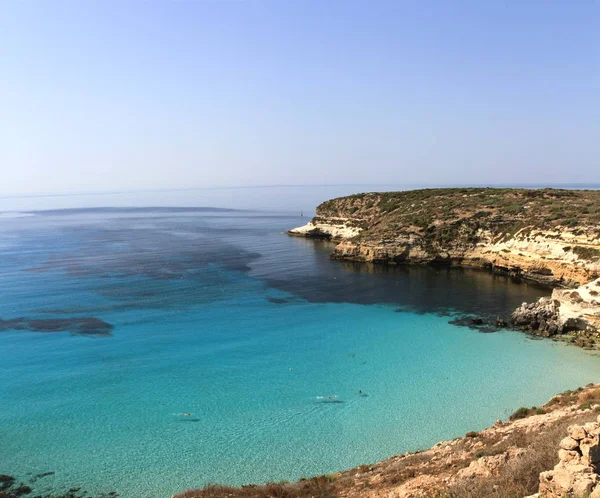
[[349, 265], [478, 463]]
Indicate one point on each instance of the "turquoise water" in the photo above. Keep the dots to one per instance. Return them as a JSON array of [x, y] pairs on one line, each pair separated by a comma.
[[219, 315]]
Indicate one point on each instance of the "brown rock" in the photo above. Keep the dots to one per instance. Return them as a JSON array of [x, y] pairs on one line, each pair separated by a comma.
[[582, 486], [568, 443], [562, 480], [567, 455], [576, 432]]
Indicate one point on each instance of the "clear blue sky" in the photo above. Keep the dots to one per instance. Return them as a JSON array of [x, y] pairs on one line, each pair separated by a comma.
[[106, 95]]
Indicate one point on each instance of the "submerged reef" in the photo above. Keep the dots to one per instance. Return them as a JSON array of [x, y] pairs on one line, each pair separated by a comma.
[[10, 487], [89, 326]]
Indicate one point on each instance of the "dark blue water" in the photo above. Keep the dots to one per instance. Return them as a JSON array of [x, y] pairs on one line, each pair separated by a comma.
[[117, 322]]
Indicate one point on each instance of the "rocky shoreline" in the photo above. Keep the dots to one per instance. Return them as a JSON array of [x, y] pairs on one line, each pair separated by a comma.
[[572, 315]]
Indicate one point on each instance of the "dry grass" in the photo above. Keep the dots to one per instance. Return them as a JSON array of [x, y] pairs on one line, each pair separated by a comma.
[[520, 476], [316, 487]]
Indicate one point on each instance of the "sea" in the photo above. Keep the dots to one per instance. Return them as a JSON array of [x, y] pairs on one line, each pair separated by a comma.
[[152, 342]]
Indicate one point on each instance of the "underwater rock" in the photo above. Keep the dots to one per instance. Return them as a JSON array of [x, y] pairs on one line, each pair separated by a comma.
[[77, 326]]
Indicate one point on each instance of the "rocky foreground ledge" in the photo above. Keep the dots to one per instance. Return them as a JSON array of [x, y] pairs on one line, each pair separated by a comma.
[[550, 451], [548, 236]]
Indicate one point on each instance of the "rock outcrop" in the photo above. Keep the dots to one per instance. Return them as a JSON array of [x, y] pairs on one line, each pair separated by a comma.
[[548, 236], [576, 474], [575, 313], [329, 229]]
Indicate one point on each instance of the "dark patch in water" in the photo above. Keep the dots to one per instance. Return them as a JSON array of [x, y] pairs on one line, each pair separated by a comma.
[[475, 323], [415, 289], [277, 300], [101, 308], [88, 326], [187, 419], [40, 476], [12, 488]]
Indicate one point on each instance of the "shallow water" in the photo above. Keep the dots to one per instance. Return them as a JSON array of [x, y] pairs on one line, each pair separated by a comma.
[[130, 318]]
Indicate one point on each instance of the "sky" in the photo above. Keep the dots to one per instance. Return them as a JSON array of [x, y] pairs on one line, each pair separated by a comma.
[[111, 95]]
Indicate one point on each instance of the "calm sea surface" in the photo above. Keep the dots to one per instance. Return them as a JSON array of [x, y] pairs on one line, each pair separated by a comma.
[[115, 322]]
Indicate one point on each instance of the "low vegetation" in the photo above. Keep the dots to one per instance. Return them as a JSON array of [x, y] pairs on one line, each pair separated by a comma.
[[457, 213], [520, 476], [317, 487]]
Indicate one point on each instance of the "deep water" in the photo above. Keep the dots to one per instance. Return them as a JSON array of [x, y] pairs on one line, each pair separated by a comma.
[[146, 351]]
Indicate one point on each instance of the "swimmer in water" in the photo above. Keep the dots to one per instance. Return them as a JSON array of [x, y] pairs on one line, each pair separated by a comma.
[[185, 414], [360, 392], [332, 397]]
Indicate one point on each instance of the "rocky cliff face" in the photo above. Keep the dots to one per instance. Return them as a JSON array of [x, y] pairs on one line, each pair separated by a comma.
[[549, 236]]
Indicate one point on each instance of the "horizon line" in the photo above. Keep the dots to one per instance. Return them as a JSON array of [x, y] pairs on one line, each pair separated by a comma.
[[237, 187]]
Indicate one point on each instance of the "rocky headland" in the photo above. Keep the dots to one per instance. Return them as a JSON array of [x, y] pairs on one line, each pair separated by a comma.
[[548, 236]]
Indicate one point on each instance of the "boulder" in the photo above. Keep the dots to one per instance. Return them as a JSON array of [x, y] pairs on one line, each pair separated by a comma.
[[576, 432], [569, 443], [575, 475], [568, 456]]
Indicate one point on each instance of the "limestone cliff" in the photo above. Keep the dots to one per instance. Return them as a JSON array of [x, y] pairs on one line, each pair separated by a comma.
[[549, 236]]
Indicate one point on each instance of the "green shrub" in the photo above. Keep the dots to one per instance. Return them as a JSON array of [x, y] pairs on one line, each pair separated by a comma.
[[520, 413]]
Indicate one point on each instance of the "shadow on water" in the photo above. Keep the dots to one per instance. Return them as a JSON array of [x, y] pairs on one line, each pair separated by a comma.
[[418, 289]]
